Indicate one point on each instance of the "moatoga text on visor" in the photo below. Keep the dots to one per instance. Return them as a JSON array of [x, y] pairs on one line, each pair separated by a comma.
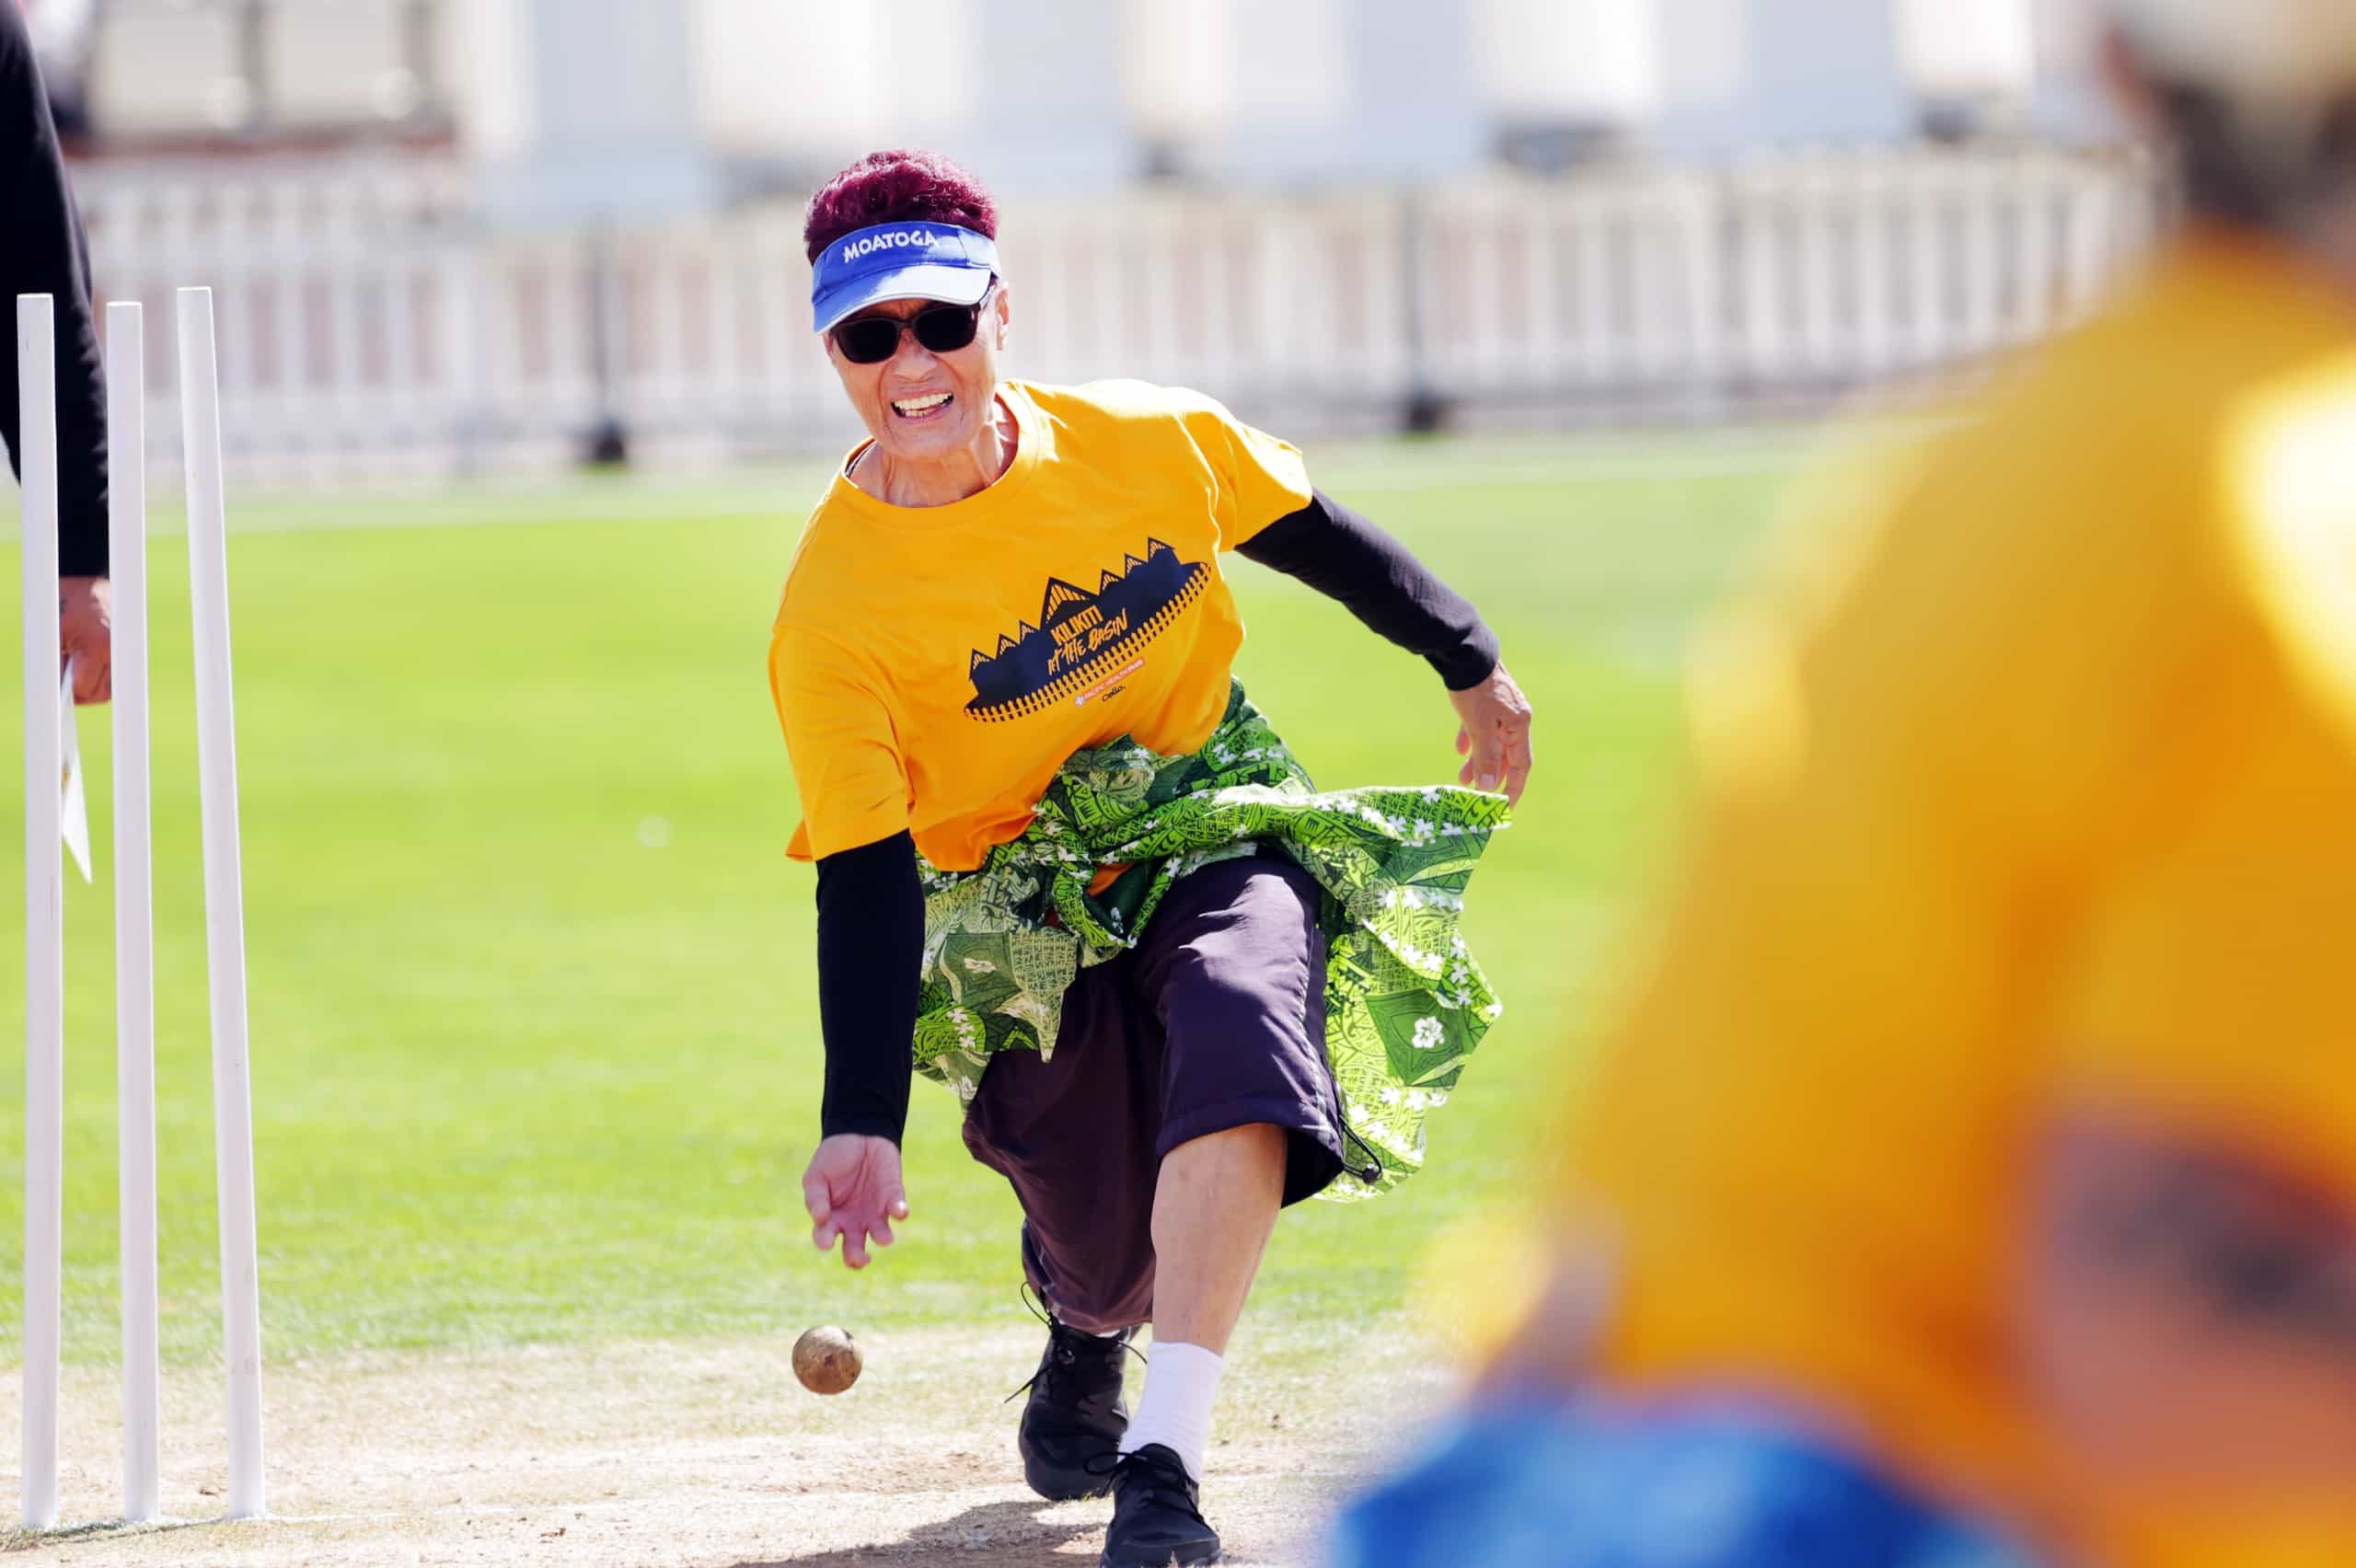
[[909, 260]]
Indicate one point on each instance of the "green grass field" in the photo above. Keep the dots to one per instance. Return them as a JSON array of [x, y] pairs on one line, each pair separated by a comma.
[[534, 1048]]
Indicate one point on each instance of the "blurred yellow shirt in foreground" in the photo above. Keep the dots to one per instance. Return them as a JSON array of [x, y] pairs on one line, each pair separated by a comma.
[[2031, 788]]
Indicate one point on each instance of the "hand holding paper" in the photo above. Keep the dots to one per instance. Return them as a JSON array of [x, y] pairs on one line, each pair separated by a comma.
[[74, 812]]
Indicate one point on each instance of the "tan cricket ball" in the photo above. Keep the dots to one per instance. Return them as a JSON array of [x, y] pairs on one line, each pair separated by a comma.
[[827, 1360]]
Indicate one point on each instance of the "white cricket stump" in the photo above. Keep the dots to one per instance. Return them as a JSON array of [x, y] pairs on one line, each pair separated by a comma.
[[224, 922], [134, 929], [44, 912]]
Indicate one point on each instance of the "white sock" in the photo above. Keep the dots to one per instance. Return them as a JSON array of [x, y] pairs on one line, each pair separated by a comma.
[[1181, 1382]]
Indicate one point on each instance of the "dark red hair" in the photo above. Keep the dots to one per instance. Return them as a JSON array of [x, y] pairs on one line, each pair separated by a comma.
[[896, 186]]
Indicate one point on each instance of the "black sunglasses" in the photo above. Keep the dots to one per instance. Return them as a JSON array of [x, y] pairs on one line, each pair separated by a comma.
[[942, 328]]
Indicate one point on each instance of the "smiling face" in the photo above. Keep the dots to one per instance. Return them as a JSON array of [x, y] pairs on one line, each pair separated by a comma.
[[924, 408]]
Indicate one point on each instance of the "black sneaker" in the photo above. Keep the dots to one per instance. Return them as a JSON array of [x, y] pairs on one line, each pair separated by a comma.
[[1075, 1415], [1156, 1513]]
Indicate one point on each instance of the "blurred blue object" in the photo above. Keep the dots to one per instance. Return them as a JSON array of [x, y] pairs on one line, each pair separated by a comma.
[[1602, 1485]]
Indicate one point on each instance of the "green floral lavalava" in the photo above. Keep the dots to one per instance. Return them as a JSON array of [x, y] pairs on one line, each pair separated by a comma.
[[1404, 1002]]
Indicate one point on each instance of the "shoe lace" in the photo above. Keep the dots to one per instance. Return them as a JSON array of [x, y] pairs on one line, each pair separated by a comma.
[[1063, 1349], [1165, 1479]]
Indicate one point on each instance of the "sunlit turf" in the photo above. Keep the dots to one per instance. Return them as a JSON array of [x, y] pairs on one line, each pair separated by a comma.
[[534, 1037]]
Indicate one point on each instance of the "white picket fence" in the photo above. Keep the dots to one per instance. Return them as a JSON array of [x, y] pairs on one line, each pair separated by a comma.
[[372, 321]]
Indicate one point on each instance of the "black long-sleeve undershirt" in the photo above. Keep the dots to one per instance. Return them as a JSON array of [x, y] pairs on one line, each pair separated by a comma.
[[871, 902], [870, 937], [42, 251], [1377, 578]]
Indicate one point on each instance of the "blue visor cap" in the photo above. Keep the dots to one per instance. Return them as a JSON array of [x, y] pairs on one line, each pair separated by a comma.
[[900, 261]]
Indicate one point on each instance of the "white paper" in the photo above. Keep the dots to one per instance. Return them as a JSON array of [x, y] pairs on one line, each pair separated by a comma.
[[74, 813]]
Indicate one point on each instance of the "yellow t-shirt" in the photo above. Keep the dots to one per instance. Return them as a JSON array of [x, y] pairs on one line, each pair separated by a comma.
[[2031, 788], [933, 667]]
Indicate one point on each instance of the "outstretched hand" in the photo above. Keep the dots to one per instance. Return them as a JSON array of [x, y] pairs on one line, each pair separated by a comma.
[[1495, 736], [852, 1189]]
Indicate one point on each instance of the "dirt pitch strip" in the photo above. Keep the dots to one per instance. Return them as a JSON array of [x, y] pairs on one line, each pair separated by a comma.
[[700, 1453]]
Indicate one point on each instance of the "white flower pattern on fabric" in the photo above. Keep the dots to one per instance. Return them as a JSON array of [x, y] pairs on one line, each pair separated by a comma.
[[1429, 1034]]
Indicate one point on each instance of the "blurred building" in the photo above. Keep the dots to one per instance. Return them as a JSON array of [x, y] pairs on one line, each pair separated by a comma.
[[464, 233], [632, 104]]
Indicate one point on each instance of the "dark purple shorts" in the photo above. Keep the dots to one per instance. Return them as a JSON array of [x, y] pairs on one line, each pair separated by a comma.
[[1215, 1020]]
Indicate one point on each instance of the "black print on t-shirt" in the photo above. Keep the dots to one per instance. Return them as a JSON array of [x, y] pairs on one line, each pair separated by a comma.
[[1081, 635]]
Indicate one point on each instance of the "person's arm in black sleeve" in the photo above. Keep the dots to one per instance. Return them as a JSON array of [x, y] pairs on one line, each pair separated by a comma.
[[1347, 558], [42, 251], [871, 940], [870, 945], [44, 254]]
